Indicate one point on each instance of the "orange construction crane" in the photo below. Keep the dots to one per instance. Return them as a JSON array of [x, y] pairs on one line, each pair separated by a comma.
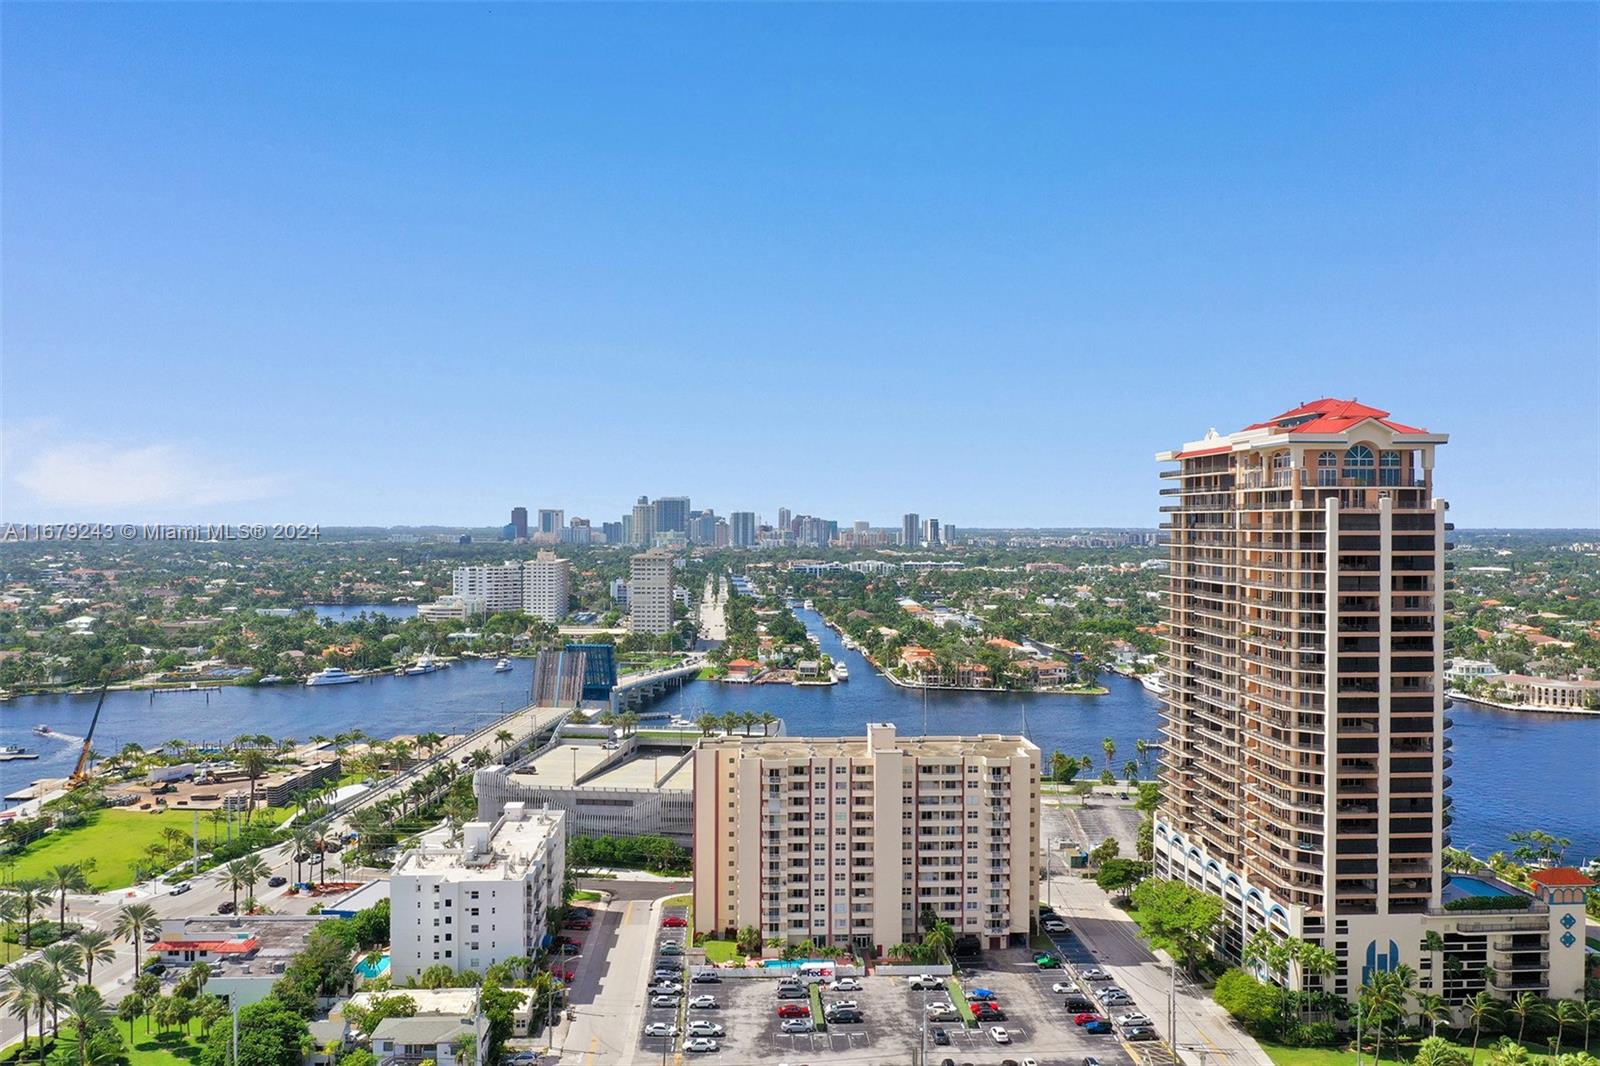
[[80, 774]]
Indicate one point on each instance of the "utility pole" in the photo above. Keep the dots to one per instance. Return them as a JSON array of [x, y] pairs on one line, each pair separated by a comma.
[[233, 1001]]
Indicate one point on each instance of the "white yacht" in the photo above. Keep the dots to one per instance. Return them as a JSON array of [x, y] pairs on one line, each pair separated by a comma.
[[808, 606], [424, 665], [12, 751], [841, 672], [502, 665], [331, 676]]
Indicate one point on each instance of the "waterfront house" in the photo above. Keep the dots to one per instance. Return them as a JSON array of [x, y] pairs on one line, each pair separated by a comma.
[[743, 669], [1010, 647]]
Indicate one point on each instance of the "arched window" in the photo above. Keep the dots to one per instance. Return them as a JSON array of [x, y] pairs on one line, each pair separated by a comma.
[[1389, 468], [1280, 468], [1358, 464], [1328, 468]]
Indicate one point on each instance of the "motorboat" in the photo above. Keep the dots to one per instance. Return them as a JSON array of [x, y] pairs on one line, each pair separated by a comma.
[[424, 665], [502, 666], [44, 731], [270, 679], [841, 672], [331, 676], [9, 752]]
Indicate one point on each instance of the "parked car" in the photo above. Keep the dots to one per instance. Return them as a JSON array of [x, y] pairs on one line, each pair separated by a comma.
[[991, 1014], [702, 1002], [522, 1058], [701, 1028], [793, 1010], [570, 949], [941, 1037], [706, 977], [925, 980], [999, 1035], [1054, 925], [1140, 1032], [1094, 973], [673, 921], [1102, 1026], [669, 965], [792, 992], [661, 1029], [797, 1025], [225, 907], [1046, 961], [842, 1004], [1116, 999], [671, 947], [579, 923], [1086, 1017], [179, 889], [844, 984], [700, 1043], [1079, 1004], [976, 994], [1133, 1018], [845, 1017], [1090, 1060], [1064, 986], [664, 971], [277, 879], [666, 986]]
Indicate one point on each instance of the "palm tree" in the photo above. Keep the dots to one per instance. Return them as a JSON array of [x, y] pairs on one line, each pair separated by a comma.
[[768, 720], [86, 1010], [1141, 748], [48, 991], [1433, 943], [708, 723], [1527, 1005], [19, 995], [505, 737], [479, 758], [1591, 1013], [133, 921], [65, 878], [94, 945], [1568, 1012], [29, 898], [235, 876], [130, 1010], [1109, 746], [254, 764], [1382, 999], [1508, 1052], [1432, 1009], [428, 742]]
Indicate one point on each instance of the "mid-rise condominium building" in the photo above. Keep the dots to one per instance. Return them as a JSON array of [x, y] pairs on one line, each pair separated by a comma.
[[742, 529], [485, 901], [849, 840], [650, 592], [547, 586], [498, 586], [910, 530], [642, 531], [1305, 756]]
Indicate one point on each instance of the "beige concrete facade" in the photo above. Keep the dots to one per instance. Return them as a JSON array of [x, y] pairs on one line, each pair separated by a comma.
[[847, 840]]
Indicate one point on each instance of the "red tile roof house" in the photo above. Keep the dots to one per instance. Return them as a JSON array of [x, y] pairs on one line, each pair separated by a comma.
[[743, 669], [1010, 647]]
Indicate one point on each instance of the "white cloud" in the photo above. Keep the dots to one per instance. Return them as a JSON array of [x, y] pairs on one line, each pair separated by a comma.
[[90, 474]]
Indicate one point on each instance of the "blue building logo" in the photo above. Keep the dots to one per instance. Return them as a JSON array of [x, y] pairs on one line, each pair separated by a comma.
[[1380, 963]]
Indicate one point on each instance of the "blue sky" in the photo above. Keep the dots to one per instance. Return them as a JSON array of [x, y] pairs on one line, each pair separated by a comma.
[[418, 264]]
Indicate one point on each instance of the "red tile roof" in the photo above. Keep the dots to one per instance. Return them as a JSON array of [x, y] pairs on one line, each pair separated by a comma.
[[1560, 877], [1331, 416], [216, 947]]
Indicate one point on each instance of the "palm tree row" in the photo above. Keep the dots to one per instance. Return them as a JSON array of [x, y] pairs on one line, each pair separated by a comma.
[[736, 721]]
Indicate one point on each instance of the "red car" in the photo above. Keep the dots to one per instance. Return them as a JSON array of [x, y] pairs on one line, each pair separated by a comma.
[[562, 974], [1086, 1018], [579, 923], [675, 922], [794, 1010], [984, 1006]]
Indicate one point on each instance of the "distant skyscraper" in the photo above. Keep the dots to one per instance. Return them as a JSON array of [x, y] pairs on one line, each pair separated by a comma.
[[783, 517], [721, 536], [672, 514], [577, 532], [703, 528], [546, 586], [519, 523], [930, 532], [861, 525], [650, 592], [742, 529], [550, 520], [612, 532], [910, 530], [644, 523]]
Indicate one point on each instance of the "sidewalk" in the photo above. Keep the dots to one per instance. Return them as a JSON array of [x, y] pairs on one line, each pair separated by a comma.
[[1206, 1034]]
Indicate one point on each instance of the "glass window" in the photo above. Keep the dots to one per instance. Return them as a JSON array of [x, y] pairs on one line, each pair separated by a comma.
[[1328, 468], [1358, 464], [1389, 468]]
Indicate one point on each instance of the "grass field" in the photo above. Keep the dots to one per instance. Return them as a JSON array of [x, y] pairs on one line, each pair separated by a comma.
[[168, 1049], [114, 839], [1319, 1056], [720, 951]]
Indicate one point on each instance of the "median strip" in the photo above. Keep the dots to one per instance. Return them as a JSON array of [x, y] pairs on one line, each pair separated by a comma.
[[958, 996], [817, 1018]]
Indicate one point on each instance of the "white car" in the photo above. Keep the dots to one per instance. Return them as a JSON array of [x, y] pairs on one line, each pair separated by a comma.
[[1095, 973], [1064, 987], [926, 980], [702, 1002], [660, 1029], [1133, 1018], [842, 1004], [844, 984], [700, 1043], [1055, 925], [999, 1034], [179, 889], [797, 1025], [667, 987], [705, 1029], [663, 1001]]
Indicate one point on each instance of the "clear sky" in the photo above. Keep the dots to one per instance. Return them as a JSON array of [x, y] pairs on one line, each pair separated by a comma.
[[416, 264]]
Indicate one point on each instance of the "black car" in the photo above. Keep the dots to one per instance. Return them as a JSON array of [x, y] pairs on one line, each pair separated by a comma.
[[706, 977], [277, 879], [941, 1037], [845, 1017], [1140, 1032], [1079, 1005], [225, 907], [669, 964], [1090, 1060]]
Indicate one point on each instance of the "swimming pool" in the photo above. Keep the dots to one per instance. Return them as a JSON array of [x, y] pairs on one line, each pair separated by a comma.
[[1465, 885], [373, 970]]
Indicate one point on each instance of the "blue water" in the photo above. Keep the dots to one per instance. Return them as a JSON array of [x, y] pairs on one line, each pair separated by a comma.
[[371, 972], [1465, 885], [344, 612], [1512, 770]]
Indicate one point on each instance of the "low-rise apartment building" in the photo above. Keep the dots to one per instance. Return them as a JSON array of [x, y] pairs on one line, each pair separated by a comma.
[[485, 901], [849, 840]]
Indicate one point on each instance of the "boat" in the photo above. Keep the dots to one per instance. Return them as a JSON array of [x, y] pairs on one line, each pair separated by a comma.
[[841, 672], [502, 666], [12, 751], [270, 679], [331, 676], [424, 665], [807, 605], [44, 730]]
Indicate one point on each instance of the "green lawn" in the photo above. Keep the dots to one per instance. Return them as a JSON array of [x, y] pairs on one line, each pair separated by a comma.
[[721, 951], [1315, 1056], [114, 839], [168, 1049], [585, 895], [958, 996]]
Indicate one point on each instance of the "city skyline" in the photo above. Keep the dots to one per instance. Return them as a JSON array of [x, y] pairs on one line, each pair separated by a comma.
[[967, 260]]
